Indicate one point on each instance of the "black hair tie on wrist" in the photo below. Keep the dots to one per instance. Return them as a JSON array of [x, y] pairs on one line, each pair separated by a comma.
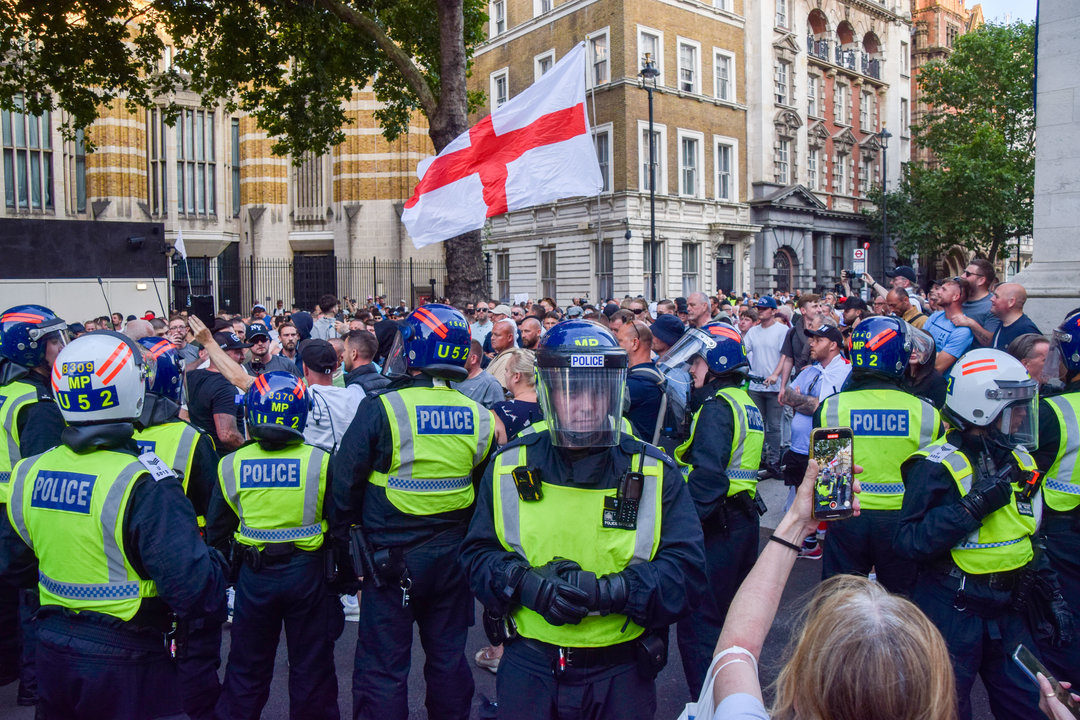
[[785, 543]]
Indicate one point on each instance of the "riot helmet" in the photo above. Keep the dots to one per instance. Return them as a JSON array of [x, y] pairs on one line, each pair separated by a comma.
[[276, 402], [991, 389], [102, 377], [168, 377], [880, 346], [434, 339], [1063, 358], [25, 332], [719, 344]]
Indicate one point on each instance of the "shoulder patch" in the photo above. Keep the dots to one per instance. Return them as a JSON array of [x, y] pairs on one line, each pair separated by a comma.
[[156, 466], [941, 452], [659, 454]]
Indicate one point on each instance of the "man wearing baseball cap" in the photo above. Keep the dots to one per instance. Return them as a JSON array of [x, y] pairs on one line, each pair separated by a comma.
[[902, 277], [332, 407], [262, 361], [213, 401], [763, 343]]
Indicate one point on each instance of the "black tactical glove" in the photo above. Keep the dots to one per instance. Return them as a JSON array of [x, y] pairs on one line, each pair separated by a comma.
[[607, 594], [1061, 618], [545, 592], [988, 497]]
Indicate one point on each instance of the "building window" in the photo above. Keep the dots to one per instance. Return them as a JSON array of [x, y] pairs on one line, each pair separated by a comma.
[[905, 59], [602, 140], [79, 170], [235, 161], [783, 161], [660, 154], [722, 5], [651, 43], [155, 154], [541, 6], [840, 103], [724, 75], [598, 58], [812, 168], [865, 173], [542, 63], [196, 179], [691, 268], [866, 112], [605, 270], [309, 193], [500, 87], [689, 164], [725, 158], [781, 13], [502, 275], [951, 33], [812, 96], [28, 170], [782, 82], [498, 17], [650, 252], [841, 177], [905, 119], [689, 66], [548, 271]]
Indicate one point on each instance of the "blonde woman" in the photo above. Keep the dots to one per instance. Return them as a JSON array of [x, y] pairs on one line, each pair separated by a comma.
[[512, 416], [862, 652]]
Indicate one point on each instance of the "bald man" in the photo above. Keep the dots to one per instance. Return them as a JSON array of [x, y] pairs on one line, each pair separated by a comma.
[[531, 330], [899, 304], [1007, 305], [138, 329]]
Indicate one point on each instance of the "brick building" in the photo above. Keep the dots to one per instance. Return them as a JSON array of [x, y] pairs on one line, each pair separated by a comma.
[[600, 246]]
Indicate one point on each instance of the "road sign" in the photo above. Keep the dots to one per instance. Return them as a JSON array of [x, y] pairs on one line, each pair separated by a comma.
[[858, 254], [858, 261]]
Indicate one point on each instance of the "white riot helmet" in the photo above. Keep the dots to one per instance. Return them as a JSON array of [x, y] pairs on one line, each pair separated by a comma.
[[991, 389], [101, 377]]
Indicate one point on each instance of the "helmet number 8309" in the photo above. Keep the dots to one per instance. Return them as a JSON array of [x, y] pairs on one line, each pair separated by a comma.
[[872, 363]]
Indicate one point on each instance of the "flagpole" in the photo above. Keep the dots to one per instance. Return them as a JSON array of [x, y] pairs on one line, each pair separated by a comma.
[[600, 191]]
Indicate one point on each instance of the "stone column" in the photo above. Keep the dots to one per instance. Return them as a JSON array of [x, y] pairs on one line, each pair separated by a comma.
[[825, 269], [1050, 280]]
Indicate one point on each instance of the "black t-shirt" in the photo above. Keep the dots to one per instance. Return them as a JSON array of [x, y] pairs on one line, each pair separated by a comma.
[[1007, 333], [797, 347], [516, 415], [210, 394]]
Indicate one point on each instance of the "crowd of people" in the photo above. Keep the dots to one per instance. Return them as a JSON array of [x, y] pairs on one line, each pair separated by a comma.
[[589, 473]]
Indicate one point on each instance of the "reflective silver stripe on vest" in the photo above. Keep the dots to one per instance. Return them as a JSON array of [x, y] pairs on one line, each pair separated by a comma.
[[737, 444], [926, 426], [645, 532], [406, 449], [1062, 480], [280, 534], [183, 450], [13, 447], [111, 518], [311, 488], [90, 591], [18, 509], [228, 476], [832, 412], [508, 499], [483, 435]]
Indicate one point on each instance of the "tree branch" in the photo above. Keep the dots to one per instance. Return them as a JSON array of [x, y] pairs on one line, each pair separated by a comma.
[[401, 59]]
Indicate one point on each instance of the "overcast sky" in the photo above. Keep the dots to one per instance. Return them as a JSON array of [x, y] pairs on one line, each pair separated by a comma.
[[997, 10]]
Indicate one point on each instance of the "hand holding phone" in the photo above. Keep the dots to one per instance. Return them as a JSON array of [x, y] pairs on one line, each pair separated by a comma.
[[1065, 706], [834, 486]]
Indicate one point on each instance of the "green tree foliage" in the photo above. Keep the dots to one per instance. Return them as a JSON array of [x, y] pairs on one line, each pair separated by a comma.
[[290, 63], [979, 191]]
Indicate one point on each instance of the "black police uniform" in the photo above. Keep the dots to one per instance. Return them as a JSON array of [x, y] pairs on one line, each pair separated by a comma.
[[973, 612], [439, 599], [199, 663], [530, 682], [100, 666], [731, 531]]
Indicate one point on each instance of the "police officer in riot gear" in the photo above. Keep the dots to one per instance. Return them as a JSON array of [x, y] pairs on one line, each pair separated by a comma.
[[273, 501], [191, 455], [971, 506], [112, 544], [1057, 457], [720, 460], [406, 469], [30, 338], [585, 545], [888, 424]]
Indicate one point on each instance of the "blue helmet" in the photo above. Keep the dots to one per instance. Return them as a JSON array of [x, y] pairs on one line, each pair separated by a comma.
[[277, 399], [25, 331], [433, 338], [719, 344], [169, 378], [880, 346], [1063, 359], [580, 382]]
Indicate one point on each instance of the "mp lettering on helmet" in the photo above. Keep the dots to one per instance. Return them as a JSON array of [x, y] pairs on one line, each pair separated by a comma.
[[588, 342], [443, 420], [880, 422], [67, 491], [587, 361], [266, 474]]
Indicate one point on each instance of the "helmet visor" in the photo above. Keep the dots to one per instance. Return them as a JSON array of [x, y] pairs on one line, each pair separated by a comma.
[[1018, 422], [396, 364], [582, 406], [1055, 368], [922, 346], [693, 342]]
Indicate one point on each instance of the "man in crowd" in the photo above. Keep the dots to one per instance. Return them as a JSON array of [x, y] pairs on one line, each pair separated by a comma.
[[902, 277], [1007, 304], [481, 327], [213, 401], [698, 309], [978, 316], [951, 337], [748, 318], [899, 304], [763, 343], [332, 408], [501, 340], [480, 385], [1031, 350], [289, 337], [644, 382], [261, 360], [531, 330], [323, 327], [361, 347]]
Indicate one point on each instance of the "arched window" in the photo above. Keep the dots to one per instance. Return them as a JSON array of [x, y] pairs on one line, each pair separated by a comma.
[[784, 264]]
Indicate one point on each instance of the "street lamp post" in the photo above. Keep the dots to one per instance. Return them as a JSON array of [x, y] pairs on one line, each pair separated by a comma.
[[883, 140], [649, 72]]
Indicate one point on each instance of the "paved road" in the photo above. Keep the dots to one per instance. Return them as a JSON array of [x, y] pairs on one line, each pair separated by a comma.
[[671, 686]]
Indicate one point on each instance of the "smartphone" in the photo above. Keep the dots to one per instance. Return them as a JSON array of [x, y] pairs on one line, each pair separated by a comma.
[[1031, 665], [834, 491]]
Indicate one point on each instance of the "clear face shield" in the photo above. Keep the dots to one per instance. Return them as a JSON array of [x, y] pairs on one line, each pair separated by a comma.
[[396, 364], [582, 405], [1054, 369], [51, 331], [1018, 421], [922, 346], [693, 342]]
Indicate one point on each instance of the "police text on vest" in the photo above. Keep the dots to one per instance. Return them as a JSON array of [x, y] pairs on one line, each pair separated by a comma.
[[444, 420], [269, 473], [56, 490], [879, 422]]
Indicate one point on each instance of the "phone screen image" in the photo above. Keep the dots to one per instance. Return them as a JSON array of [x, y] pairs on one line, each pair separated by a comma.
[[834, 492]]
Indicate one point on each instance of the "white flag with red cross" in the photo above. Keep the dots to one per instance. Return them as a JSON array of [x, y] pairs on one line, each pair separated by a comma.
[[535, 149]]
